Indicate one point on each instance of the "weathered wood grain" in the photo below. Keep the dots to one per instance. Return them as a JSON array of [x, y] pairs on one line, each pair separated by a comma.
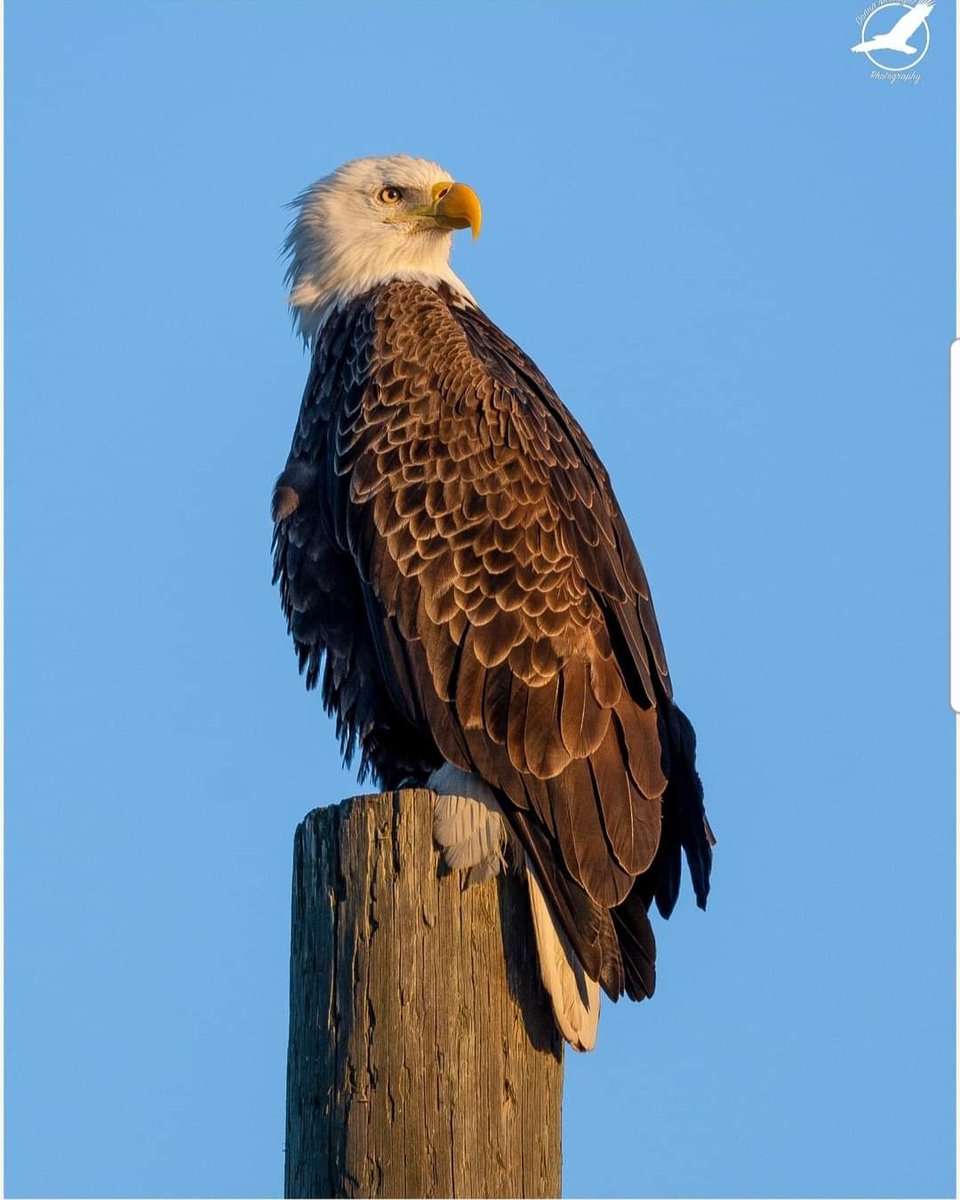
[[423, 1059]]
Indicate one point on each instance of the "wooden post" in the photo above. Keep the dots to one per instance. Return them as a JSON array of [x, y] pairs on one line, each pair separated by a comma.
[[423, 1058]]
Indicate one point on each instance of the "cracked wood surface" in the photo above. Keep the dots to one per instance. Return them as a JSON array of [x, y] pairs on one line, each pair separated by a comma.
[[423, 1059]]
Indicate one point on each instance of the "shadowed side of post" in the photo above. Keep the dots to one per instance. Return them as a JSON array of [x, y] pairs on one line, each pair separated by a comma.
[[423, 1059]]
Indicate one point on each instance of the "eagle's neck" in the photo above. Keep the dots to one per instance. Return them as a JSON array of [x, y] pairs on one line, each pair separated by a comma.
[[324, 279]]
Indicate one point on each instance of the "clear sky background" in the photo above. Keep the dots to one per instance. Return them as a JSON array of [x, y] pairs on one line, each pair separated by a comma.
[[731, 251]]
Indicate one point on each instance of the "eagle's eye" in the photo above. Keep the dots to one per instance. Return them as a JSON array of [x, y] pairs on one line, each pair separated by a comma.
[[390, 195]]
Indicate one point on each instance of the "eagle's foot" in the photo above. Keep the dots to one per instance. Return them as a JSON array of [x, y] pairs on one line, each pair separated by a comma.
[[468, 824]]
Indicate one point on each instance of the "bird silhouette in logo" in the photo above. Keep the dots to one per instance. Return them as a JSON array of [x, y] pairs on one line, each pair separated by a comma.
[[899, 36]]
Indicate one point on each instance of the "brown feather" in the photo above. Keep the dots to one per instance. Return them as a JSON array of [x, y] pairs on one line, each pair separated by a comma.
[[580, 832], [496, 702], [641, 738], [605, 683], [494, 639], [583, 723], [516, 717], [471, 678], [543, 752], [631, 822]]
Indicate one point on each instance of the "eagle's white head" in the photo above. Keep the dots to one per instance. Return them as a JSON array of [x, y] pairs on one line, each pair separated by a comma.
[[373, 220]]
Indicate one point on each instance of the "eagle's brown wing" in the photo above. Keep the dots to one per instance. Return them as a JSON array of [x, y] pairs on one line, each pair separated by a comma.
[[501, 598]]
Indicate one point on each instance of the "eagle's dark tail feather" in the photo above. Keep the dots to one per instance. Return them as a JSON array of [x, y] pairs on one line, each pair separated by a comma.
[[684, 829], [684, 825], [638, 949]]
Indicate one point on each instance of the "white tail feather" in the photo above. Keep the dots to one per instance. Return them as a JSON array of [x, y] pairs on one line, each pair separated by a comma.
[[574, 996]]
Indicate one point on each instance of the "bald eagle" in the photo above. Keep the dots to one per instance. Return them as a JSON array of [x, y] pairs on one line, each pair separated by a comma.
[[459, 580]]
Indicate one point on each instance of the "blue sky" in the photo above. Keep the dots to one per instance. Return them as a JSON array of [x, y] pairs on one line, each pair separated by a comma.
[[731, 251]]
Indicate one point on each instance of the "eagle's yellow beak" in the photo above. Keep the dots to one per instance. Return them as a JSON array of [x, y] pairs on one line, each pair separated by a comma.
[[457, 206]]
